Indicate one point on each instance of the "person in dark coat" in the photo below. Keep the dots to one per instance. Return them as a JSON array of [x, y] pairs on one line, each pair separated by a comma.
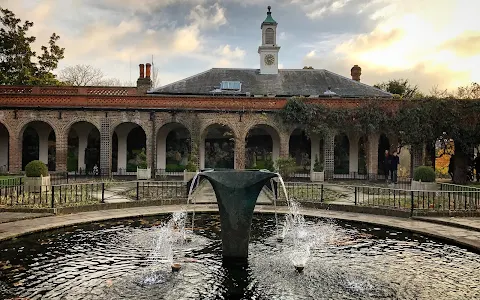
[[477, 166], [394, 162], [386, 165], [451, 165]]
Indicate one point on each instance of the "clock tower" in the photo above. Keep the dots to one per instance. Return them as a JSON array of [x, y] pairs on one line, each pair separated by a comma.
[[269, 49]]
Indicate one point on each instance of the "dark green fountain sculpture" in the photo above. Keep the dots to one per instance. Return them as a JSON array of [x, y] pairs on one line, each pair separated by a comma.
[[237, 193]]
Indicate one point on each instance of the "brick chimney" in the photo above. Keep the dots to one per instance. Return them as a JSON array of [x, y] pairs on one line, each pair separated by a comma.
[[144, 83], [149, 68], [356, 71]]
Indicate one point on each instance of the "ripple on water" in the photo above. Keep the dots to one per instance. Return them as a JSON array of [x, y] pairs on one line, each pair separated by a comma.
[[112, 260]]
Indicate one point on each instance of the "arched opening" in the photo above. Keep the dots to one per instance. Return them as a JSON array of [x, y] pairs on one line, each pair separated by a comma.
[[39, 143], [300, 149], [4, 149], [383, 145], [269, 36], [173, 147], [362, 156], [341, 154], [129, 148], [83, 148], [262, 147], [219, 151]]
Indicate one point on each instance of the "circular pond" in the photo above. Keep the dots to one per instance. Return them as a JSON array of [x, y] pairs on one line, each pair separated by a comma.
[[114, 260]]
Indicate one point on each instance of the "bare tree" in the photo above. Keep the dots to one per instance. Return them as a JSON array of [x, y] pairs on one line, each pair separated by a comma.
[[81, 75], [436, 92], [155, 78]]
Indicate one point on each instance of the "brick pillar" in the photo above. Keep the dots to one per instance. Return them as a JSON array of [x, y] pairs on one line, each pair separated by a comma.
[[239, 160], [284, 144], [416, 153], [105, 147], [329, 154], [15, 153], [372, 153], [61, 149]]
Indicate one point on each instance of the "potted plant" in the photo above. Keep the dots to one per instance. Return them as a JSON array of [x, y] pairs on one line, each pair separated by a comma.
[[424, 179], [191, 168], [37, 178], [317, 174], [143, 172]]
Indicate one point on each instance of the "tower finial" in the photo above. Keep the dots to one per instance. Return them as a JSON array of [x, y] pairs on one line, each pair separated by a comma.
[[269, 8]]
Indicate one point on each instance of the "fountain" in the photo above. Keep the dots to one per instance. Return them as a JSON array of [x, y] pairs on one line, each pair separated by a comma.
[[237, 193]]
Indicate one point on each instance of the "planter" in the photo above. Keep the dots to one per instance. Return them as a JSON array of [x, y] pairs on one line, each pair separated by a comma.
[[144, 174], [317, 176], [424, 186], [187, 176], [37, 184]]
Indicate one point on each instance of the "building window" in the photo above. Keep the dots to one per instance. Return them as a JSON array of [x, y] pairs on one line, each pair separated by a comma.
[[269, 36]]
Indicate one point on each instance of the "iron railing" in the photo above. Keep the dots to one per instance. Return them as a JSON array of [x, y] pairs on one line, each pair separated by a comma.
[[78, 194]]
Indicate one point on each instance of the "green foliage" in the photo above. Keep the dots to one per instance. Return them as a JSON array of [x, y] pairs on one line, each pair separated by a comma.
[[286, 166], [415, 122], [400, 87], [19, 64], [318, 166], [72, 163], [142, 159], [36, 168], [174, 168], [424, 174], [308, 68], [269, 165]]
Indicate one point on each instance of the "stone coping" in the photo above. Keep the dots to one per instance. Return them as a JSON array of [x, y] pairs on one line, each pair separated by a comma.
[[454, 235]]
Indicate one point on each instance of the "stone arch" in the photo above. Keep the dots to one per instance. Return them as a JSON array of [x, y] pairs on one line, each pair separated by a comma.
[[300, 148], [341, 154], [69, 125], [128, 141], [37, 139], [83, 146], [4, 148], [255, 138], [165, 144], [217, 146]]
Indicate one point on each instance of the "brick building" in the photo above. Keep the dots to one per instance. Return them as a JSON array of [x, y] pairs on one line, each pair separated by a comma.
[[228, 114]]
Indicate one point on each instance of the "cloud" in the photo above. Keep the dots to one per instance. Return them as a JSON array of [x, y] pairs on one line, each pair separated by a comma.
[[466, 44], [208, 17], [227, 58], [318, 8]]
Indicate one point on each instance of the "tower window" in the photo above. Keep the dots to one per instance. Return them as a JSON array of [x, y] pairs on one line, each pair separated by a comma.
[[269, 36]]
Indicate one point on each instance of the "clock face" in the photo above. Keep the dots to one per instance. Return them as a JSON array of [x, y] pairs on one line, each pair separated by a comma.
[[269, 59]]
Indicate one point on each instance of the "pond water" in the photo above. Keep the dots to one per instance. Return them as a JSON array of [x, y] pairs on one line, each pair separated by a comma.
[[113, 260]]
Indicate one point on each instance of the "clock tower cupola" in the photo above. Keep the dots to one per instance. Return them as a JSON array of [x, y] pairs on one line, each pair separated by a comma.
[[269, 49]]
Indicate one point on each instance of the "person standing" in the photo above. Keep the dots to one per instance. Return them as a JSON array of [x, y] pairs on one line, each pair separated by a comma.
[[386, 165], [477, 166], [395, 161]]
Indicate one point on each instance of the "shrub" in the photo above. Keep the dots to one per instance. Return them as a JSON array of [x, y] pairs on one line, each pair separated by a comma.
[[269, 165], [424, 174], [36, 168], [286, 166], [174, 168], [318, 166], [142, 159]]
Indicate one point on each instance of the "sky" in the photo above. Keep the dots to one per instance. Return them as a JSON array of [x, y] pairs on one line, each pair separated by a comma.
[[430, 42]]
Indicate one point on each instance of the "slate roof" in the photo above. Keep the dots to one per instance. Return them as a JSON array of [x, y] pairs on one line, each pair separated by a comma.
[[288, 82]]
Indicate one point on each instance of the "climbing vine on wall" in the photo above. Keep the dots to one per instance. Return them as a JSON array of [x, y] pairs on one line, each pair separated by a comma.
[[416, 122]]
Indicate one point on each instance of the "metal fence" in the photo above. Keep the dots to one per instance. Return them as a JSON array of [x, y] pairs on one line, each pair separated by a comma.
[[78, 194]]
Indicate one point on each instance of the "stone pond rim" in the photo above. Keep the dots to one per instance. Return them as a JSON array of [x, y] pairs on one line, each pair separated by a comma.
[[236, 192]]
